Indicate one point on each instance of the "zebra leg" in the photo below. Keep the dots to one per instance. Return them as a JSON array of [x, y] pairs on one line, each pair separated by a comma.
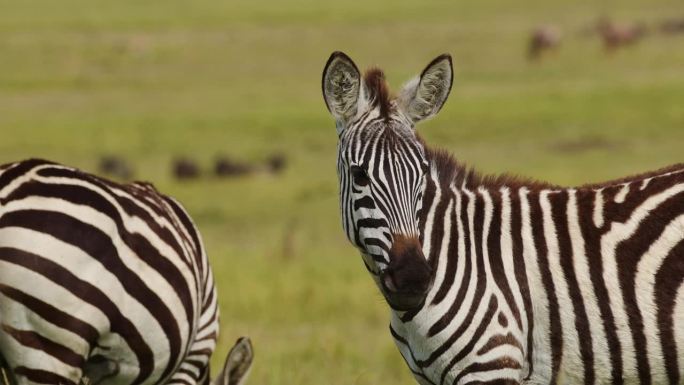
[[33, 351], [32, 366]]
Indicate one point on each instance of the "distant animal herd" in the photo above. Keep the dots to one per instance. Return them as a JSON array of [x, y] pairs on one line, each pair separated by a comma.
[[613, 35], [185, 168]]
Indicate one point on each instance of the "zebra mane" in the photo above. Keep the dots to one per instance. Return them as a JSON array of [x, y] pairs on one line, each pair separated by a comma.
[[378, 91], [677, 168], [451, 172]]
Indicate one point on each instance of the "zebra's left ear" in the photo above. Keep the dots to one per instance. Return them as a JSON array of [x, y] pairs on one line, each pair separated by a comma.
[[424, 96], [238, 363]]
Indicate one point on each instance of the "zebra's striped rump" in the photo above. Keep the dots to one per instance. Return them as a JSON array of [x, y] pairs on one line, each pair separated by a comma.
[[100, 280]]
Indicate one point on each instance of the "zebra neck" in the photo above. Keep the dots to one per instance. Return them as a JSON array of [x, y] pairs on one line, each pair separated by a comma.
[[455, 192], [473, 230]]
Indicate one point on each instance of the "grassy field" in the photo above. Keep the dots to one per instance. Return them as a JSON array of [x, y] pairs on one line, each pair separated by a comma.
[[152, 80]]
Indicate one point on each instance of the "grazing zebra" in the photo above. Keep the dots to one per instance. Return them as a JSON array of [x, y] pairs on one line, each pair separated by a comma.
[[496, 280], [104, 282]]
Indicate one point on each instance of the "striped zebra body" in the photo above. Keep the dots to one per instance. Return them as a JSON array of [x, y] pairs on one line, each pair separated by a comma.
[[547, 285], [497, 280], [100, 280]]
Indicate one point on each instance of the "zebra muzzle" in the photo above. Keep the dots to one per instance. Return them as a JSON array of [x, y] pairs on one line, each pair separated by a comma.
[[408, 277]]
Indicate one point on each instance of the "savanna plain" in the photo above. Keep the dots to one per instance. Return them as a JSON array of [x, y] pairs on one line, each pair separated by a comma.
[[155, 80]]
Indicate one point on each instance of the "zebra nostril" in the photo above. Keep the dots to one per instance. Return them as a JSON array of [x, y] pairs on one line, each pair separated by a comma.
[[388, 281]]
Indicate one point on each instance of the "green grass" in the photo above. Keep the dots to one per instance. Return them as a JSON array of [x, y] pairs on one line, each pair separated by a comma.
[[151, 80]]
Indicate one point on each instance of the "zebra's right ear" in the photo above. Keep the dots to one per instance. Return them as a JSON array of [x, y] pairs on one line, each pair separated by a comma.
[[341, 86]]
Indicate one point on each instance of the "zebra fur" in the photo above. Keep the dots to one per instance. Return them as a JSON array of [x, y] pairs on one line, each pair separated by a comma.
[[100, 282], [498, 280]]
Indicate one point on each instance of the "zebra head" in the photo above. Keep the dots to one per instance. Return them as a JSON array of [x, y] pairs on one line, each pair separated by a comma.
[[382, 169]]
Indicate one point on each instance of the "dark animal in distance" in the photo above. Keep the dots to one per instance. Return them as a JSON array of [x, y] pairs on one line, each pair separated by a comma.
[[276, 163], [115, 166], [616, 36], [227, 167], [184, 168], [672, 26], [543, 39]]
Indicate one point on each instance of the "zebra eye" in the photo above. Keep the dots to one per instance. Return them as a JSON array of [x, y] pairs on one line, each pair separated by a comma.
[[359, 176]]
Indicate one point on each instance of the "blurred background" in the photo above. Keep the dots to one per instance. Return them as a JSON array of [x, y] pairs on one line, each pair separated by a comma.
[[218, 103]]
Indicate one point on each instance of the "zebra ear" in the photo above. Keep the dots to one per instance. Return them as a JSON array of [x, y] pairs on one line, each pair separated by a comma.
[[424, 96], [341, 86], [238, 363]]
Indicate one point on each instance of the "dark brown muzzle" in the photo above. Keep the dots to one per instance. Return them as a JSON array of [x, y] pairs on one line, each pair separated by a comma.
[[408, 278]]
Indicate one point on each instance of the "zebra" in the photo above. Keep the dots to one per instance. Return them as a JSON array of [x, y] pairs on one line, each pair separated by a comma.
[[497, 279], [103, 283]]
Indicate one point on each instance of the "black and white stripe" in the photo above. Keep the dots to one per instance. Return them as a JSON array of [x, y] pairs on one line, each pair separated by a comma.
[[101, 280], [527, 283], [544, 293]]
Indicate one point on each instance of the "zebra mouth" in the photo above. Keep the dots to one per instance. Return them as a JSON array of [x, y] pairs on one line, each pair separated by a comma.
[[402, 300]]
